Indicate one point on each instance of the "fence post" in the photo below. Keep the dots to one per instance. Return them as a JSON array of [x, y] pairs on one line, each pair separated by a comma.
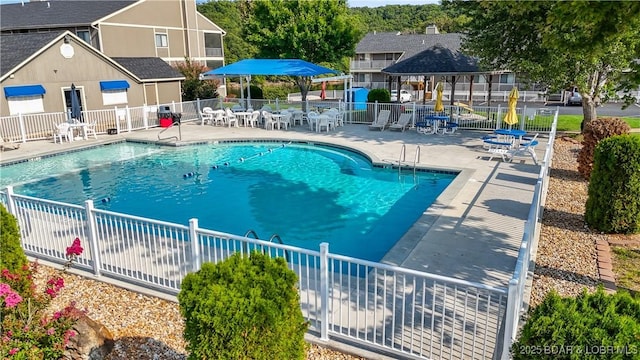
[[117, 120], [498, 118], [145, 116], [277, 105], [195, 244], [128, 115], [524, 117], [199, 111], [324, 291], [511, 319], [11, 207], [93, 237], [173, 105], [23, 130]]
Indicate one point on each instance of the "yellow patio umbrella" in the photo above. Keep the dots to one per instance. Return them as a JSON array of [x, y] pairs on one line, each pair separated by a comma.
[[512, 118], [439, 107]]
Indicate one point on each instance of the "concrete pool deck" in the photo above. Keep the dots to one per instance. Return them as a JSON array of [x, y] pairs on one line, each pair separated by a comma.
[[473, 230]]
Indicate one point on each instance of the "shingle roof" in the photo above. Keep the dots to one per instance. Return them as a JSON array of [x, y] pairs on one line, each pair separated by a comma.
[[436, 60], [410, 44], [16, 48], [148, 68], [56, 13]]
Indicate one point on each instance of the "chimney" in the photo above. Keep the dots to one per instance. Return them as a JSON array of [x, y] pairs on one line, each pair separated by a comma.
[[431, 29]]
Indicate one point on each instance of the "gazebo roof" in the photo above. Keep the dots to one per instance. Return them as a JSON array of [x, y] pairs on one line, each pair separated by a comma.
[[436, 60]]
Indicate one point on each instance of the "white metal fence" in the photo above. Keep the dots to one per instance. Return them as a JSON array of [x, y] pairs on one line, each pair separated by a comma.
[[402, 311], [33, 127]]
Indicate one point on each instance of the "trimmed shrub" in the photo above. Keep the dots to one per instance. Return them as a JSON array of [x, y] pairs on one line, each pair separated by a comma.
[[243, 308], [613, 203], [256, 92], [595, 131], [12, 256], [379, 95], [589, 326]]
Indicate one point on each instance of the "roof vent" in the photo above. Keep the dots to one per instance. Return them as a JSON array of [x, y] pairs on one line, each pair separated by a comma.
[[431, 29]]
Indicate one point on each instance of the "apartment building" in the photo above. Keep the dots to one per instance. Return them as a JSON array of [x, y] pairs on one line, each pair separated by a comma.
[[116, 53]]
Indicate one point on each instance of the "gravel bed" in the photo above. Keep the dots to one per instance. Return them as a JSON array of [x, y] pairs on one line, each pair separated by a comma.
[[566, 259], [150, 328]]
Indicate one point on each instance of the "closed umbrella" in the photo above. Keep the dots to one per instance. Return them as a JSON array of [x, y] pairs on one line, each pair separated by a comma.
[[512, 118], [439, 106], [76, 109]]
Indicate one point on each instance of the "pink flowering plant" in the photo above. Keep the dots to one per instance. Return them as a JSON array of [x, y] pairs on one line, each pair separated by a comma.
[[30, 330]]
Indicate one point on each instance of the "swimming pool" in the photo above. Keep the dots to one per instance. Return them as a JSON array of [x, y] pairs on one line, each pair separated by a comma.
[[307, 194]]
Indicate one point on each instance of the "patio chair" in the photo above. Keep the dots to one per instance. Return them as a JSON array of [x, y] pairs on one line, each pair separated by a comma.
[[8, 145], [525, 149], [230, 118], [381, 120], [207, 115], [254, 119], [268, 120], [403, 122], [90, 130], [499, 146], [62, 131]]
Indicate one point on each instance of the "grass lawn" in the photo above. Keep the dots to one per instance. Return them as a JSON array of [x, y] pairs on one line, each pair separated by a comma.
[[572, 122], [626, 266]]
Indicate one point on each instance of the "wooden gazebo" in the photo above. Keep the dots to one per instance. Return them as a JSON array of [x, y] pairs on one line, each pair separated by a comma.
[[439, 60]]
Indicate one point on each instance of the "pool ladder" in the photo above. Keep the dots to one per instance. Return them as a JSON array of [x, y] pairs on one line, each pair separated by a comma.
[[178, 138], [403, 157], [273, 237]]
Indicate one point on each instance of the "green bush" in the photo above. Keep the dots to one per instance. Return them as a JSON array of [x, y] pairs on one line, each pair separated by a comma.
[[379, 95], [613, 203], [243, 308], [590, 326], [256, 92], [279, 91], [12, 256]]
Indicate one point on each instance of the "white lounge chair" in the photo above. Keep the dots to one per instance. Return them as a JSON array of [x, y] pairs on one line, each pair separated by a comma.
[[381, 121], [8, 145], [403, 122]]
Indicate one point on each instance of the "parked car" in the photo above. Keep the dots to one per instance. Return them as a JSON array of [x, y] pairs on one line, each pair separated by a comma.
[[573, 97], [405, 96]]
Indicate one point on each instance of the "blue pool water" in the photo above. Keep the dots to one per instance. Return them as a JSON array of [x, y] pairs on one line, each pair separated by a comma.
[[306, 194]]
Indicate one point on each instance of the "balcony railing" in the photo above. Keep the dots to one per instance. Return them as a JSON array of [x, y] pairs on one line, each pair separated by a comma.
[[213, 52], [371, 64]]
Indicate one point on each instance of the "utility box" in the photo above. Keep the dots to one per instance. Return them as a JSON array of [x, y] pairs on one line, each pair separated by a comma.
[[358, 96]]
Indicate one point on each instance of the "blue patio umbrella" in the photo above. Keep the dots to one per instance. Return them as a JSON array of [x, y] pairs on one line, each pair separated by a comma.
[[76, 110]]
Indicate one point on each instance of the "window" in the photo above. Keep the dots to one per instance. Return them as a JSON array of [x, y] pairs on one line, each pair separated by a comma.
[[162, 40], [25, 99], [507, 78], [114, 92], [84, 35]]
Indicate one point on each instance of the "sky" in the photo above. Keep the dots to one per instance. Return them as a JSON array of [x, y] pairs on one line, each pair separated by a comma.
[[376, 3]]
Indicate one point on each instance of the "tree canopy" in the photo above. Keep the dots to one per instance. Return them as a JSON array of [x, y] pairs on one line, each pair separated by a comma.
[[320, 31], [589, 44]]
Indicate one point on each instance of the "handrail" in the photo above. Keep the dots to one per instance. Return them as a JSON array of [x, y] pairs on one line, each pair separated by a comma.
[[172, 137], [279, 239], [402, 158], [416, 160], [251, 232]]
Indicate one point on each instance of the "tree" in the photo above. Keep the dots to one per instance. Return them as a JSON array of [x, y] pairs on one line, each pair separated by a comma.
[[192, 87], [320, 31], [588, 44]]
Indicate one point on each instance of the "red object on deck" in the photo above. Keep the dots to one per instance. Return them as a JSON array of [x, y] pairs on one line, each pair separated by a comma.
[[165, 122]]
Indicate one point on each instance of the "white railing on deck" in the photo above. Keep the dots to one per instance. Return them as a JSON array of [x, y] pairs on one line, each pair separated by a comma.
[[518, 303], [402, 311]]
